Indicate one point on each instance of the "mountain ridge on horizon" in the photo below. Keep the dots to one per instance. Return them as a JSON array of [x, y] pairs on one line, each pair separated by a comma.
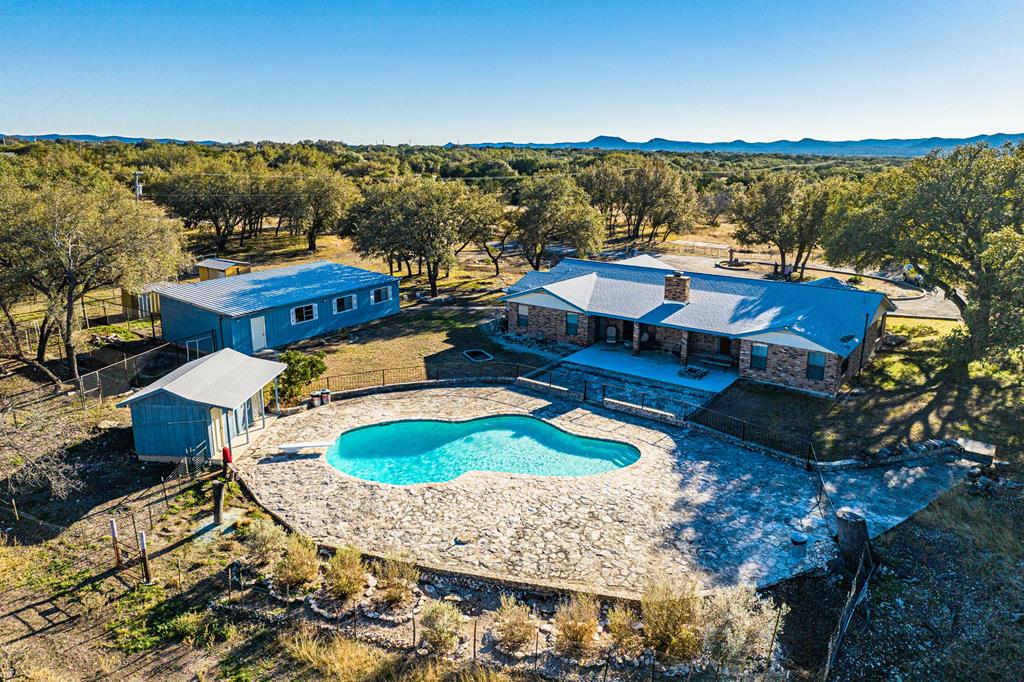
[[905, 147], [865, 147]]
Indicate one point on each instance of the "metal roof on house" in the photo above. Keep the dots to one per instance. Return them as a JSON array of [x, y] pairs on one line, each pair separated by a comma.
[[266, 289], [220, 263], [634, 289], [224, 379]]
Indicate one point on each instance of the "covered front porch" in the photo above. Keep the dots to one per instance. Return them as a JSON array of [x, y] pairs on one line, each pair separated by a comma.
[[663, 367]]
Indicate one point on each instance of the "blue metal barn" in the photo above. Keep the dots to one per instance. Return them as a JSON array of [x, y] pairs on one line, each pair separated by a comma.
[[275, 308], [201, 406]]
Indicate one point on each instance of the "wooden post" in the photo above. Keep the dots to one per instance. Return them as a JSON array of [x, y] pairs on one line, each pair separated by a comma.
[[414, 631], [163, 484], [218, 503], [536, 651], [106, 318], [852, 534], [147, 572], [277, 401], [180, 581], [150, 507], [474, 640], [14, 506], [135, 529], [117, 547]]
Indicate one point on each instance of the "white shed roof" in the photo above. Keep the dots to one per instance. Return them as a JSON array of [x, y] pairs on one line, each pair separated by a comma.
[[224, 379]]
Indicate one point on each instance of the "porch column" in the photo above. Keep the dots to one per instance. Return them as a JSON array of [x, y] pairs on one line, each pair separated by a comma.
[[635, 346]]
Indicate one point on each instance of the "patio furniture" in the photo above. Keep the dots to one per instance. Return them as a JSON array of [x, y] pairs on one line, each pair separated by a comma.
[[612, 335], [724, 362]]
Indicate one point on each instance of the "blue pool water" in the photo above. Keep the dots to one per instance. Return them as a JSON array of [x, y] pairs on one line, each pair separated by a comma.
[[426, 451]]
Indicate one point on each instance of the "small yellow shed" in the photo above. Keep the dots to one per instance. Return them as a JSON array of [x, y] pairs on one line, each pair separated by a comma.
[[215, 268]]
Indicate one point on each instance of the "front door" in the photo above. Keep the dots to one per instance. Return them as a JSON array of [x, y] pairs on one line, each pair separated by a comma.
[[724, 345], [258, 325]]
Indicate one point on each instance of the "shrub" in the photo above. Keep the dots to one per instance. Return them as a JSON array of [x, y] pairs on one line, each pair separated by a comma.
[[622, 622], [346, 574], [738, 626], [441, 623], [198, 628], [854, 279], [512, 627], [265, 539], [396, 580], [299, 565], [671, 609], [301, 370], [576, 623]]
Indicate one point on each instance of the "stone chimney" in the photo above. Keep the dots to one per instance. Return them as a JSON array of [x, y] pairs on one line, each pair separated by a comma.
[[677, 287]]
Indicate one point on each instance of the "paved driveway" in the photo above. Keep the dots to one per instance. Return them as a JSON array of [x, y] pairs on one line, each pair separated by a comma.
[[691, 502]]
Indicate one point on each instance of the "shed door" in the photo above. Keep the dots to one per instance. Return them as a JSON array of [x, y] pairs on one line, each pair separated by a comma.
[[259, 333]]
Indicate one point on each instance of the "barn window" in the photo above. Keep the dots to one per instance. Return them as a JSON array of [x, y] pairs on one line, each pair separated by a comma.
[[381, 295], [304, 313], [759, 356], [816, 365], [343, 303]]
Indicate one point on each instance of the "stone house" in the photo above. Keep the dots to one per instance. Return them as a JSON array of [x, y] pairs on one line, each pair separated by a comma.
[[807, 336]]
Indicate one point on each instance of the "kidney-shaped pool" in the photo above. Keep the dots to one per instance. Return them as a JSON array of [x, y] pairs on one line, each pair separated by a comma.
[[428, 451]]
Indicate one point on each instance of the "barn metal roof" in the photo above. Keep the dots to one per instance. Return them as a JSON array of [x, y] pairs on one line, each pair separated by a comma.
[[634, 289], [224, 379], [266, 289]]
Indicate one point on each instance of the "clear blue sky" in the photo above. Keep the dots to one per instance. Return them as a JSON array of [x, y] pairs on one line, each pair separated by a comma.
[[438, 71]]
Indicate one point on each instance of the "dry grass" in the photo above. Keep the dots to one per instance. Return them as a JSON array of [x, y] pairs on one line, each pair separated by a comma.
[[395, 580], [512, 626], [441, 623], [622, 622], [576, 626], [671, 609], [977, 520]]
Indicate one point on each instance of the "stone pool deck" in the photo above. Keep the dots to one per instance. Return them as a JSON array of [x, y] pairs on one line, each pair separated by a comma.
[[692, 502]]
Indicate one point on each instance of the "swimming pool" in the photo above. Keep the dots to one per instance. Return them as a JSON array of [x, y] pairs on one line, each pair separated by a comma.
[[428, 451]]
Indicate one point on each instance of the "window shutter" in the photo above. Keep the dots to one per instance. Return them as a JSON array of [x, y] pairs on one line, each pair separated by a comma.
[[316, 309], [292, 313]]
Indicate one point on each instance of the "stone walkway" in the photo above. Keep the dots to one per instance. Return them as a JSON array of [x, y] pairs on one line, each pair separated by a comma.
[[691, 502]]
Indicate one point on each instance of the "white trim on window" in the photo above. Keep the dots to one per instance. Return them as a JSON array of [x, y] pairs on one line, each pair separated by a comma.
[[385, 299], [307, 309], [352, 303]]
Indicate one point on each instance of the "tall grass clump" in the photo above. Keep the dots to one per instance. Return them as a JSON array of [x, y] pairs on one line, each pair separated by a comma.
[[671, 610], [512, 627], [345, 576], [576, 626], [299, 566], [337, 658], [622, 626]]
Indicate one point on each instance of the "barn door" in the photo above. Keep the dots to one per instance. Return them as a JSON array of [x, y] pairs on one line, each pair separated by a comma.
[[258, 325]]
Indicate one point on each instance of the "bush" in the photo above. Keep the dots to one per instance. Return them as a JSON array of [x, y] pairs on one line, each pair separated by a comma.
[[346, 574], [576, 623], [299, 566], [441, 623], [265, 539], [198, 628], [396, 580], [302, 369], [738, 626], [854, 279], [671, 609], [622, 622], [512, 628]]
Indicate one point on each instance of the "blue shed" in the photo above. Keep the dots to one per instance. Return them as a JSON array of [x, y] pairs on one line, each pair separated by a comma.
[[207, 403], [275, 308]]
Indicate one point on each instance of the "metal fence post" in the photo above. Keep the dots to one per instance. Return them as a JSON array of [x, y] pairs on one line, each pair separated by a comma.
[[117, 547]]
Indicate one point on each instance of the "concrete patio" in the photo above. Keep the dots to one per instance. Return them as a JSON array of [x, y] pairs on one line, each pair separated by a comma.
[[691, 503], [651, 365]]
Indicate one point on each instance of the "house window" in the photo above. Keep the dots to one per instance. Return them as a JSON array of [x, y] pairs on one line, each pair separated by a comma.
[[304, 313], [343, 303], [816, 365], [759, 356], [572, 324], [381, 295], [523, 316]]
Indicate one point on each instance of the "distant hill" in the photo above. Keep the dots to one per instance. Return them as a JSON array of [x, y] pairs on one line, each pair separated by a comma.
[[105, 138], [871, 147]]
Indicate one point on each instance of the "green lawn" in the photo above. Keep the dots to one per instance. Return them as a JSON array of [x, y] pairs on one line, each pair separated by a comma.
[[912, 393]]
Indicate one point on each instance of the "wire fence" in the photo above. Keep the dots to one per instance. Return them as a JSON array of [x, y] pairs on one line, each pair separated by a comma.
[[855, 597], [412, 374]]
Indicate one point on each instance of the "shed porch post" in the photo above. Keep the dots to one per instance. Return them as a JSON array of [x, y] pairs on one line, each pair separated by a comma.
[[277, 401]]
